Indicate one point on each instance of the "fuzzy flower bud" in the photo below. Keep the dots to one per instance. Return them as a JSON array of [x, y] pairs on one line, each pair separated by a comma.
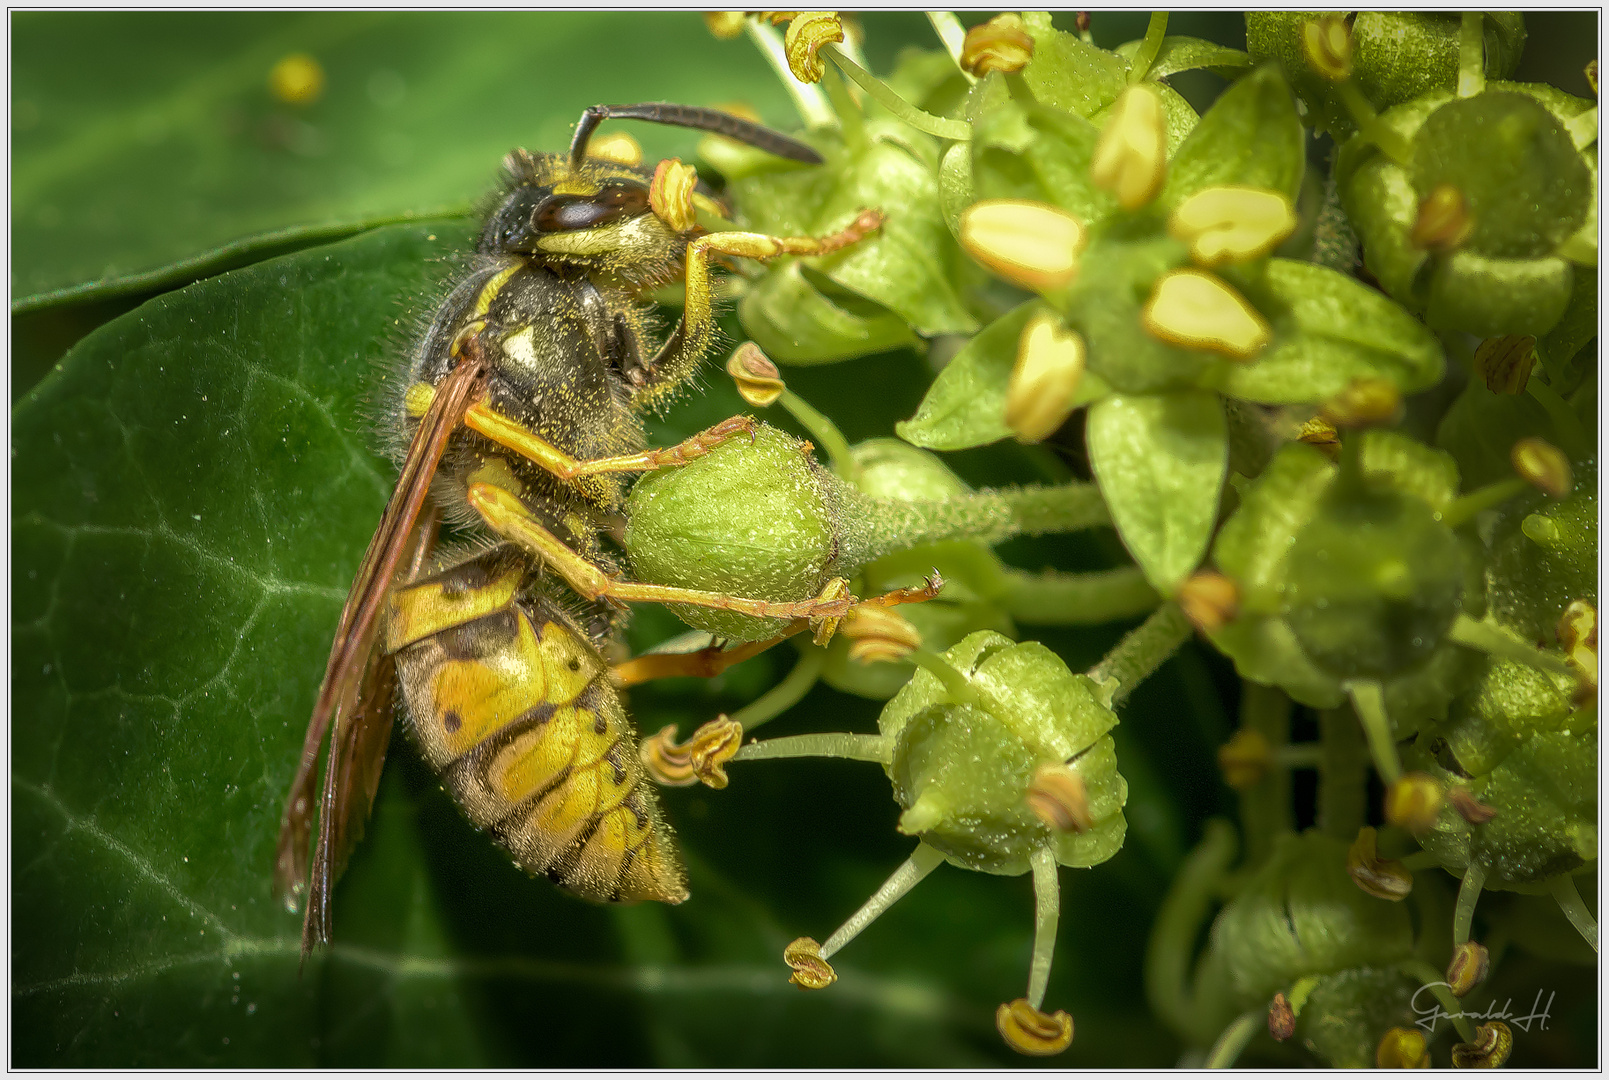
[[1058, 797], [671, 194], [1029, 1031], [1543, 466], [807, 33], [1402, 1048], [616, 146], [1505, 363], [1001, 44], [1467, 969], [298, 79], [1327, 47], [1196, 310], [1131, 155], [1031, 244], [758, 381], [1245, 759], [1321, 435], [1493, 1043], [810, 970], [1443, 222], [1414, 801], [1232, 224], [1387, 879], [725, 25], [1365, 402], [1050, 365]]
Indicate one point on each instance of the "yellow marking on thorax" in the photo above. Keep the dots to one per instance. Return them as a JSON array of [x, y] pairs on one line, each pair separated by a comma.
[[418, 611], [489, 291]]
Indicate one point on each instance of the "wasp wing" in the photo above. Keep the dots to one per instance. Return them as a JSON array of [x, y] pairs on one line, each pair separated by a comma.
[[358, 713]]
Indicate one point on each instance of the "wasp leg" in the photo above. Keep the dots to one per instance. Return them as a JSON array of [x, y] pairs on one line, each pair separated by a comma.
[[709, 662], [686, 346], [507, 516], [510, 434]]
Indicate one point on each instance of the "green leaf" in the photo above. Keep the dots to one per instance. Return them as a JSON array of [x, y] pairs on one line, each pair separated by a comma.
[[1040, 154], [1160, 460], [902, 266], [1182, 53], [1328, 330], [1068, 74], [1250, 137], [142, 139], [966, 405], [796, 323]]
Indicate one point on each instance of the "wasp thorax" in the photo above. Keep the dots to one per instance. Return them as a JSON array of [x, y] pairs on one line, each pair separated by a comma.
[[1376, 581], [968, 758], [751, 518]]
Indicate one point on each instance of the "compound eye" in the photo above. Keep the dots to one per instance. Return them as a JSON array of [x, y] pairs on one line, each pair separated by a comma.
[[567, 213]]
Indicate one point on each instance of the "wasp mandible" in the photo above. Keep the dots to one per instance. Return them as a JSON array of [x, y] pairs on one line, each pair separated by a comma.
[[521, 412]]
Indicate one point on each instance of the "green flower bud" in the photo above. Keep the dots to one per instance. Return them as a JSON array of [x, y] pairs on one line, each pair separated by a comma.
[[1301, 915], [754, 519], [1347, 1013], [963, 769], [1395, 57], [1498, 261], [1543, 795], [1375, 582], [1544, 555], [1351, 577]]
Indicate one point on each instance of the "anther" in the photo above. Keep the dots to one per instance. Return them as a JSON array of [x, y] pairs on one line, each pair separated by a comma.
[[1402, 1048], [1543, 466], [1196, 310], [807, 33], [670, 194], [1001, 44], [1130, 158], [1245, 759], [1492, 1045], [1281, 1018], [1232, 224], [1050, 365], [1365, 402], [1027, 1030], [1327, 48], [758, 381], [810, 969], [1443, 222], [1057, 796], [1414, 801], [1031, 244], [1467, 969], [1387, 879]]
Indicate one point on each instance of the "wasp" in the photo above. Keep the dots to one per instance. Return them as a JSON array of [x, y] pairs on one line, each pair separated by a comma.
[[521, 416]]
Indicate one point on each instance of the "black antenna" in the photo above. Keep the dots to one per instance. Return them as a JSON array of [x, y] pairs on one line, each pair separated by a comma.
[[689, 116]]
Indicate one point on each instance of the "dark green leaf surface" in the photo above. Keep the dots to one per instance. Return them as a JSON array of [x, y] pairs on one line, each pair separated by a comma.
[[141, 139]]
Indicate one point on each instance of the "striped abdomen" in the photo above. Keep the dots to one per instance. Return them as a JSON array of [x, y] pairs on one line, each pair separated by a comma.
[[513, 706]]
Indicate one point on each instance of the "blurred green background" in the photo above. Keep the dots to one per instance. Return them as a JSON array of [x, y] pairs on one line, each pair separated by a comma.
[[194, 484]]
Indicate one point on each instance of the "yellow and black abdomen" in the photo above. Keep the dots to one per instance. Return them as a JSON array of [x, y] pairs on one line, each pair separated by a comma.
[[513, 706]]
